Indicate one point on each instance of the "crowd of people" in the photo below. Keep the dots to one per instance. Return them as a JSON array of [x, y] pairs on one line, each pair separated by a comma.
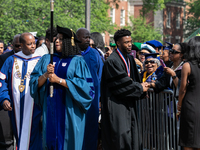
[[95, 89]]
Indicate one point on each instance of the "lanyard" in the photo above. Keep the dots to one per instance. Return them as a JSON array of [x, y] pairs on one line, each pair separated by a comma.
[[127, 65]]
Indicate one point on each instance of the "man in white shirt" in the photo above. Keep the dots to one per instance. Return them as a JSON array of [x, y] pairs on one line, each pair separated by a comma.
[[44, 48]]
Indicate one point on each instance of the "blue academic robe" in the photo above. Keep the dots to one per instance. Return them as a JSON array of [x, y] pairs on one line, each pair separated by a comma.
[[25, 115], [64, 113], [95, 65]]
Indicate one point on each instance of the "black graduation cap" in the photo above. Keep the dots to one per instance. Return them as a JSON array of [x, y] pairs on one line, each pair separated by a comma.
[[151, 55], [68, 33]]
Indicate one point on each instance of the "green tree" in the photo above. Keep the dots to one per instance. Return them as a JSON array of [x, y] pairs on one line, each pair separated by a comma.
[[193, 21], [18, 16], [152, 5], [141, 31]]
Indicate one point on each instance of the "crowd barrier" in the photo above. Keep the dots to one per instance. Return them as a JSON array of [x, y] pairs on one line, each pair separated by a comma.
[[157, 121]]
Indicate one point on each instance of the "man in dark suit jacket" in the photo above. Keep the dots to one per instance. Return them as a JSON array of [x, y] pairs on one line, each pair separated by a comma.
[[6, 134], [16, 48]]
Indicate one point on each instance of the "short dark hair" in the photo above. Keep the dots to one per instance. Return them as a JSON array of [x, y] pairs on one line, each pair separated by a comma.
[[48, 33], [193, 52], [98, 40], [39, 39], [1, 41], [121, 33]]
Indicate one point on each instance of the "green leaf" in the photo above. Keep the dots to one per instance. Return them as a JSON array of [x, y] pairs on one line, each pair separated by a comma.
[[34, 16]]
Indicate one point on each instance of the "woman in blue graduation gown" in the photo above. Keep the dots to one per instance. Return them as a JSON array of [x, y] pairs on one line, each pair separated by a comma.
[[64, 113]]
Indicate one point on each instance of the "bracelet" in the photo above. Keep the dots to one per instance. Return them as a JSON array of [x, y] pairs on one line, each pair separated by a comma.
[[44, 76], [60, 81]]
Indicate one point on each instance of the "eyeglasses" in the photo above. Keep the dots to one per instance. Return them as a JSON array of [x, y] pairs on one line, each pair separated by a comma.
[[142, 53], [17, 45], [150, 61], [172, 51]]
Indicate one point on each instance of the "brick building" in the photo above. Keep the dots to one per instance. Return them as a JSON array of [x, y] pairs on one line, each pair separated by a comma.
[[118, 16], [169, 20]]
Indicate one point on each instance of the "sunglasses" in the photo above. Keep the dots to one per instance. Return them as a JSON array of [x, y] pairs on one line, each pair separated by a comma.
[[150, 61], [16, 45], [142, 53], [172, 51]]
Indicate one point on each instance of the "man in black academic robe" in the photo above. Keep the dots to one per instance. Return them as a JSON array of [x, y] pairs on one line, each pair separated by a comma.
[[120, 89]]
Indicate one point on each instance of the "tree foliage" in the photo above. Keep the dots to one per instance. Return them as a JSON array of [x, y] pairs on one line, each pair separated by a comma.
[[18, 16], [193, 20], [152, 5], [141, 31]]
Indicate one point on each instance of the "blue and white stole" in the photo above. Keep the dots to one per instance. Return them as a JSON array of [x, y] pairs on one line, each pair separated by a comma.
[[22, 101]]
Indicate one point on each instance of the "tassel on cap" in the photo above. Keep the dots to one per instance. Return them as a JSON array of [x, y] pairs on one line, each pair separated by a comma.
[[72, 38]]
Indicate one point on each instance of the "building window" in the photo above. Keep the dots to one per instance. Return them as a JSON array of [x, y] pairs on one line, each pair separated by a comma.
[[112, 15], [168, 19], [178, 39], [122, 17], [168, 38], [177, 20]]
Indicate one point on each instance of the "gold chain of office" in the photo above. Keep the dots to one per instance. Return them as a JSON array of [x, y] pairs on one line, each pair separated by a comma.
[[22, 86]]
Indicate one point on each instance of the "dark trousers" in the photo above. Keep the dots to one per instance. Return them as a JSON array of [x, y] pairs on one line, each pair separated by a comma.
[[6, 134]]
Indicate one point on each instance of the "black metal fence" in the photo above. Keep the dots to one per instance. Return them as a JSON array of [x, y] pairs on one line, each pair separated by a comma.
[[157, 121]]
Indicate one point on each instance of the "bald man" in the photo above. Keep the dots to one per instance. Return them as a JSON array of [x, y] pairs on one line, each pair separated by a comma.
[[15, 95], [95, 64]]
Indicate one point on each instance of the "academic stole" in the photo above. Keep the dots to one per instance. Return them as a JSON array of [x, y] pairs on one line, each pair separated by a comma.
[[127, 65], [145, 77], [22, 86]]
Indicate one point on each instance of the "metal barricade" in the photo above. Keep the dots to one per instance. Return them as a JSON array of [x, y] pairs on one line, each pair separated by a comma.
[[157, 121]]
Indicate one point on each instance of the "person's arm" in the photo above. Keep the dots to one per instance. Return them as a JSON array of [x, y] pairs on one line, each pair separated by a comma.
[[160, 84], [55, 79], [42, 79], [5, 78], [39, 93], [138, 62], [7, 105], [185, 72], [80, 83], [119, 83], [172, 73]]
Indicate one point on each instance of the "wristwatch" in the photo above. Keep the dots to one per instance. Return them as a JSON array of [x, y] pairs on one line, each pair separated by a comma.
[[60, 81], [174, 77]]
